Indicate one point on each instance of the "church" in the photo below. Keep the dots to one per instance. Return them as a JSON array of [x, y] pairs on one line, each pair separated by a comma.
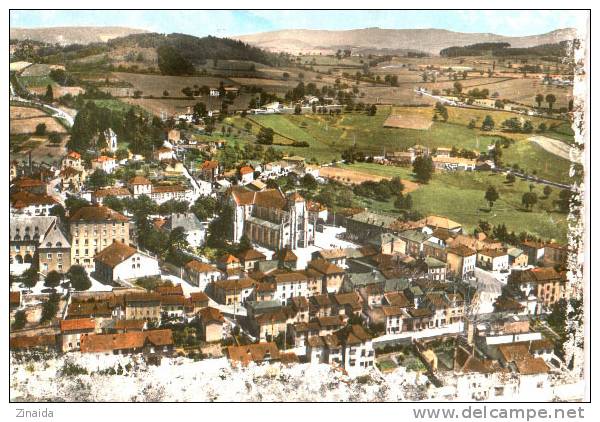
[[271, 219]]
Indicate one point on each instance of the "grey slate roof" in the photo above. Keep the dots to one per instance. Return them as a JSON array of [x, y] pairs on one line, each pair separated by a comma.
[[188, 221]]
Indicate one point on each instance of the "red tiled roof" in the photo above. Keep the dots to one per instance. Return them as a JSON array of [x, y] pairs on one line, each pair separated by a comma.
[[238, 285], [199, 297], [98, 343], [130, 324], [250, 254], [253, 352], [211, 315], [210, 164], [97, 214], [168, 188], [26, 342], [169, 290], [24, 199], [77, 324], [114, 254], [228, 259], [246, 170], [112, 191], [139, 180], [200, 267], [325, 267]]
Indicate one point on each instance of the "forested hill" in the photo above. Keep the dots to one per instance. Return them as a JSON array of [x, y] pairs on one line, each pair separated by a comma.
[[180, 50], [503, 49]]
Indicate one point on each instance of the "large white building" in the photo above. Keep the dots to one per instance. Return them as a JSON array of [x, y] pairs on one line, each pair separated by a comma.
[[159, 193], [122, 262]]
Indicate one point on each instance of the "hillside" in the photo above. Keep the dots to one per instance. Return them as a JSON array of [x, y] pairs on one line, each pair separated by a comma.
[[196, 50], [72, 34], [427, 40]]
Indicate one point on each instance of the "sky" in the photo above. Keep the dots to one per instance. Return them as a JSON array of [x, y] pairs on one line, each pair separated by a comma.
[[240, 22]]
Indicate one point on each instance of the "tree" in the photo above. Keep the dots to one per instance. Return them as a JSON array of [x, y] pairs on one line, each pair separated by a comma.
[[488, 123], [171, 62], [244, 243], [29, 278], [539, 98], [121, 154], [542, 127], [79, 278], [491, 195], [372, 111], [550, 99], [527, 126], [98, 179], [547, 191], [403, 202], [564, 200], [308, 182], [49, 96], [20, 320], [265, 136], [510, 178], [440, 111], [53, 279], [50, 308], [58, 211], [457, 87], [529, 199], [423, 168], [200, 109], [298, 109], [40, 129]]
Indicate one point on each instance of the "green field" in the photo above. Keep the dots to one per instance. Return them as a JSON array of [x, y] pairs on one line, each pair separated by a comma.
[[328, 136], [35, 81], [460, 196]]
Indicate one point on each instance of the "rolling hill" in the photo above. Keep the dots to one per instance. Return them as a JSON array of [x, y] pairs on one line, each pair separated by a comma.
[[73, 34], [427, 40]]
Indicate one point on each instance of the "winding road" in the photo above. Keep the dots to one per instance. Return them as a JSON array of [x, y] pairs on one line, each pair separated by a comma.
[[56, 112]]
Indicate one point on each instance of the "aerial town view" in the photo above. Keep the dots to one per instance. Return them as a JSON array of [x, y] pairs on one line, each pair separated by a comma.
[[269, 206]]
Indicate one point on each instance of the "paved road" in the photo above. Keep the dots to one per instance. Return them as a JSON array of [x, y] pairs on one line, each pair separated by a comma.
[[56, 112]]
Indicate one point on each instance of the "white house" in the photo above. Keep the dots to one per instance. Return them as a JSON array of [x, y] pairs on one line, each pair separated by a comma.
[[393, 319], [357, 349], [492, 259], [201, 274], [290, 284], [246, 175], [108, 164], [140, 186], [163, 153], [122, 262]]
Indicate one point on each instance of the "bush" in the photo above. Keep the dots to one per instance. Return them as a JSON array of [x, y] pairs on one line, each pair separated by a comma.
[[71, 369]]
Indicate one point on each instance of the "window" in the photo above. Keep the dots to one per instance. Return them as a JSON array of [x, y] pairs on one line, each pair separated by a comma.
[[49, 256]]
